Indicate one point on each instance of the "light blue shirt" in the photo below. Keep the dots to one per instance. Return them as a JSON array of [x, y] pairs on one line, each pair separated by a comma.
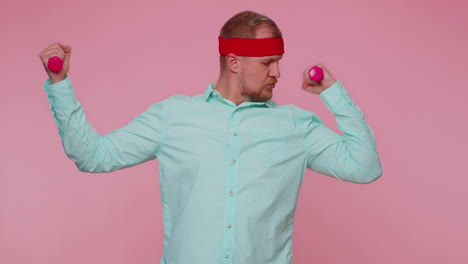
[[229, 175]]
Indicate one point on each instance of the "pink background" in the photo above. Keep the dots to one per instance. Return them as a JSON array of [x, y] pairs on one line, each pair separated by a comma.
[[404, 63]]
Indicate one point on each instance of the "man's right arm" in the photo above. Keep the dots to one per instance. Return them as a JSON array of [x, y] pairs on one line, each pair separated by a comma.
[[135, 143]]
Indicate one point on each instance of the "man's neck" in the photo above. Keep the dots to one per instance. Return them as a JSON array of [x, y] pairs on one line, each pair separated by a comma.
[[229, 88]]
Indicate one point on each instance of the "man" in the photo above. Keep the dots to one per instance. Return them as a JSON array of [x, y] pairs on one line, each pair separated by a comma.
[[231, 160]]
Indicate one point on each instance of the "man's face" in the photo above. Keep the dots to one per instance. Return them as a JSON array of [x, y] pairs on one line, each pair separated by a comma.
[[258, 75]]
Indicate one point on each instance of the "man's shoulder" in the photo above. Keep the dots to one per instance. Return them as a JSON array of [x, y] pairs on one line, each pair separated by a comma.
[[180, 98], [295, 110], [290, 107]]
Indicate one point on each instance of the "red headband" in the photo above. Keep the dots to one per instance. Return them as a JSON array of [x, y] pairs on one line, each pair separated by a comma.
[[251, 47]]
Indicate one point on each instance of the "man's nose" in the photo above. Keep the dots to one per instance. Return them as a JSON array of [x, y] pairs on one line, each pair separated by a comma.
[[275, 71]]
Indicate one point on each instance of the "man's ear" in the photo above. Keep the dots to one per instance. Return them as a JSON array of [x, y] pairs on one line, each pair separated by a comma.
[[232, 62]]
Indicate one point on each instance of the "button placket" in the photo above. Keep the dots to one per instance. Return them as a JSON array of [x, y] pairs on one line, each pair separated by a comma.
[[232, 174]]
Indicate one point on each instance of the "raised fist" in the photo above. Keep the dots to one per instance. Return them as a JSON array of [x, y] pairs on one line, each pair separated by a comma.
[[61, 51]]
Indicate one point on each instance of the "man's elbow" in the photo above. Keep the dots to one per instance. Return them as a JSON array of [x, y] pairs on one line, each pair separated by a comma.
[[85, 169], [92, 169], [370, 177]]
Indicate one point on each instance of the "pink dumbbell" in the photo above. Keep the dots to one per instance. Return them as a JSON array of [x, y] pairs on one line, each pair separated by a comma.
[[316, 74], [55, 64]]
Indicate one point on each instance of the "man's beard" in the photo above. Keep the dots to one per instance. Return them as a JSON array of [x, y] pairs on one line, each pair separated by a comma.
[[258, 96]]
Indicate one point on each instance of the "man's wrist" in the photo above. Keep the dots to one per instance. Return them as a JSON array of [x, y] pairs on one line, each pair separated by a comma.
[[57, 79], [54, 81]]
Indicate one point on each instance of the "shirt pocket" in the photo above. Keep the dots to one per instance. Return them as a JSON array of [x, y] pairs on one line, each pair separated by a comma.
[[268, 145]]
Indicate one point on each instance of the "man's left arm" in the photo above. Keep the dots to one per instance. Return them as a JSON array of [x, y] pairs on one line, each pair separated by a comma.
[[352, 156]]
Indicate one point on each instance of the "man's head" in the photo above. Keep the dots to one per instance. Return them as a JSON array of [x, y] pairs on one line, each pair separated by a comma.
[[254, 74]]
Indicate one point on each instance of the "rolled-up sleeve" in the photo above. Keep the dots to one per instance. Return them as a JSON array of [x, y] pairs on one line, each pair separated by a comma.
[[350, 157], [132, 144]]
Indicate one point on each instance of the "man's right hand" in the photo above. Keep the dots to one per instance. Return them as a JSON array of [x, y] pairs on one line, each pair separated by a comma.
[[61, 51]]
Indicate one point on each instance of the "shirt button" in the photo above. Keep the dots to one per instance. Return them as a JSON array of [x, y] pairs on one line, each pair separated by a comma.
[[235, 134], [229, 225], [233, 161], [231, 193]]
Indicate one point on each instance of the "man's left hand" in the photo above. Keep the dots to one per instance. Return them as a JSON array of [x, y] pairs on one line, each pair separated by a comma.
[[317, 87]]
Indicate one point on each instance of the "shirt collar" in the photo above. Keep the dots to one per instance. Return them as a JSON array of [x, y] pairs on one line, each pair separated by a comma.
[[210, 92]]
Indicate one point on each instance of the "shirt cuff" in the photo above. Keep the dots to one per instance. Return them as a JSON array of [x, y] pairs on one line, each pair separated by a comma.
[[60, 93], [336, 97]]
